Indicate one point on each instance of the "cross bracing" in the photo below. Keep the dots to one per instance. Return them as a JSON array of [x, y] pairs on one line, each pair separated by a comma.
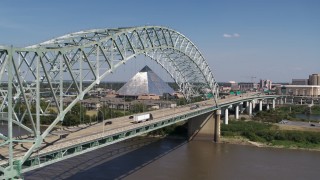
[[83, 59]]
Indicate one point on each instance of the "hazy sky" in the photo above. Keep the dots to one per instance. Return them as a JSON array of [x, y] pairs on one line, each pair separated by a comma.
[[268, 39]]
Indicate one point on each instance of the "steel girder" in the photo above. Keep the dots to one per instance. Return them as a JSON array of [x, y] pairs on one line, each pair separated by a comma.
[[77, 62]]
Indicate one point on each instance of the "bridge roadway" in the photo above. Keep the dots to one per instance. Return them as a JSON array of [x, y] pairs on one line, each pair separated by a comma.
[[82, 134]]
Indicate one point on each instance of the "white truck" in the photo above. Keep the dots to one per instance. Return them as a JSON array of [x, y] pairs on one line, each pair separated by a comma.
[[141, 117]]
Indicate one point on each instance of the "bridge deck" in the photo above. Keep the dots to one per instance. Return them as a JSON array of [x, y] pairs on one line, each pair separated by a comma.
[[98, 132]]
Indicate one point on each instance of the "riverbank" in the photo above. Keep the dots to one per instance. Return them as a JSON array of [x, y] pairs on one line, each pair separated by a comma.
[[238, 140], [289, 112], [269, 135]]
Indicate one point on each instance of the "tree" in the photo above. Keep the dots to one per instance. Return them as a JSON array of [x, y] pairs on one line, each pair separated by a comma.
[[138, 108], [181, 101], [75, 115]]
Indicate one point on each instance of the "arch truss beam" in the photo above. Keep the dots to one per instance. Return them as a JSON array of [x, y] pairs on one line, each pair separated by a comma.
[[78, 61]]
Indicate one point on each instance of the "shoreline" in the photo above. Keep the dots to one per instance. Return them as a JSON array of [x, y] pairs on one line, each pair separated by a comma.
[[239, 140]]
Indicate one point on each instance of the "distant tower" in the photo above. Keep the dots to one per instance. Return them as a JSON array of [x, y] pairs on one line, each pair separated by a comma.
[[314, 79], [265, 84]]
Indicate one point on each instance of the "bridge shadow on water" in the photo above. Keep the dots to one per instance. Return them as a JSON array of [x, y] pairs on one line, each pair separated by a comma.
[[112, 162]]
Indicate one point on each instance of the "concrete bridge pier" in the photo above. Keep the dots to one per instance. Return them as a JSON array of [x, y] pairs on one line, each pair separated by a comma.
[[260, 105], [205, 127], [217, 126], [247, 106], [250, 108], [236, 112], [273, 104], [226, 116], [267, 104]]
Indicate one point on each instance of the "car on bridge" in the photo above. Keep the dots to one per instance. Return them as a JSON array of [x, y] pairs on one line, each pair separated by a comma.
[[108, 123], [195, 106]]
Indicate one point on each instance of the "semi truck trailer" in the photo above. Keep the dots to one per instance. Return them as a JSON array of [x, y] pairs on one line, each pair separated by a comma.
[[141, 117]]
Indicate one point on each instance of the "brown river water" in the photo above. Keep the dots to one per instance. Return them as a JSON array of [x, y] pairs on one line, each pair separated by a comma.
[[178, 159]]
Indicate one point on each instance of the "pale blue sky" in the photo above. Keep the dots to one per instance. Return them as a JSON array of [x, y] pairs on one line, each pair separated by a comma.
[[269, 39]]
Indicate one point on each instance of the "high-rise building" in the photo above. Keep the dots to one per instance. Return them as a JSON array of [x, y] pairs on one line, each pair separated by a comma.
[[314, 79], [265, 84], [248, 86]]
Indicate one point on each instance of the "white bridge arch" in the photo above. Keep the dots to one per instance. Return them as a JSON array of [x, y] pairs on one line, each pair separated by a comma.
[[83, 59]]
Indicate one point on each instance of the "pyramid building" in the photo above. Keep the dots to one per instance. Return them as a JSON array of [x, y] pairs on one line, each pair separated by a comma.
[[145, 82]]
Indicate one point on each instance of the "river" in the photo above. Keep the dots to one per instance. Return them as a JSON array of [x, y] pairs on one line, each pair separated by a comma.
[[179, 159]]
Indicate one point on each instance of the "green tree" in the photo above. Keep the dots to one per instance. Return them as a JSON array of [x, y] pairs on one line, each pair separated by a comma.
[[181, 101], [75, 116], [138, 108]]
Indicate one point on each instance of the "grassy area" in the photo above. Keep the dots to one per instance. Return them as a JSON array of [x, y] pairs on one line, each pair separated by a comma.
[[271, 134], [91, 112], [273, 116], [296, 128], [54, 109], [285, 112], [315, 109], [289, 144], [299, 109]]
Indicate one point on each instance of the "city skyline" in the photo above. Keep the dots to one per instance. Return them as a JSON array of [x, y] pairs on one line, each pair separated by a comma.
[[276, 40]]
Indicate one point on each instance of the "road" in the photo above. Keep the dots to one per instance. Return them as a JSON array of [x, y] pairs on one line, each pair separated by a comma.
[[298, 124], [83, 133]]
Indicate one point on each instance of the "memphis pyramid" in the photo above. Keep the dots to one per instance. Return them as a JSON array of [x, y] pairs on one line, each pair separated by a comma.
[[145, 82]]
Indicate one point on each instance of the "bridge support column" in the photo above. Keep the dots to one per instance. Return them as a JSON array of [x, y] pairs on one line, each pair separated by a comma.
[[247, 106], [202, 127], [250, 108], [252, 104], [260, 105], [301, 101], [285, 100], [268, 107], [273, 104], [237, 112], [217, 126], [226, 116]]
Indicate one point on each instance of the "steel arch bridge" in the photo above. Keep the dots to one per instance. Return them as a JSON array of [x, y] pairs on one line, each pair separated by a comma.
[[77, 62]]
